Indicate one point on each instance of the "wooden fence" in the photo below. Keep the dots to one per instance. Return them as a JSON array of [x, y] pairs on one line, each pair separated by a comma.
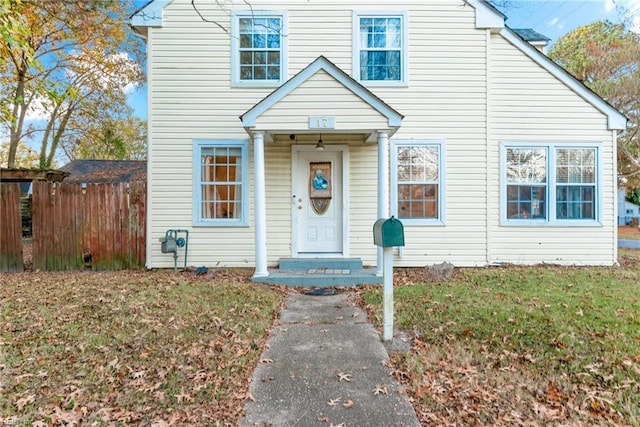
[[97, 226], [10, 228]]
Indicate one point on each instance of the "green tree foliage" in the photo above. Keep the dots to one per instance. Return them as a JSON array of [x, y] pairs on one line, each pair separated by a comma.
[[111, 139], [634, 196], [26, 157], [64, 59], [605, 56]]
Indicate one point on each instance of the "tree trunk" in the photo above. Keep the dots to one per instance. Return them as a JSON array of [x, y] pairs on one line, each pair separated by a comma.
[[18, 114], [58, 135]]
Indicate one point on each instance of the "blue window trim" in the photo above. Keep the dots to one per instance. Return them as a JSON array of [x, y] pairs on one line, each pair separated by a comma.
[[404, 17], [198, 145], [235, 48], [552, 184], [440, 144]]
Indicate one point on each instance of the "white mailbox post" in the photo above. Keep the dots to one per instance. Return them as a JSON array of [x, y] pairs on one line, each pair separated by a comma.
[[388, 233]]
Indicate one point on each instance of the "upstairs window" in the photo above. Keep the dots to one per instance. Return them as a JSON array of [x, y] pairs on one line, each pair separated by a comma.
[[550, 184], [380, 56], [259, 48]]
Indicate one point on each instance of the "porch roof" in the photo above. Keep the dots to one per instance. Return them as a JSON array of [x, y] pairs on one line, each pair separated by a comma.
[[321, 91]]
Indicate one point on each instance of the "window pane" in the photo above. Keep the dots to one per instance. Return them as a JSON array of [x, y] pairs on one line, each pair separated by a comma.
[[380, 48], [260, 44], [246, 73], [273, 73], [259, 57], [221, 182], [418, 181], [245, 41], [526, 165], [526, 202], [273, 58], [576, 165], [576, 171], [575, 202], [259, 73]]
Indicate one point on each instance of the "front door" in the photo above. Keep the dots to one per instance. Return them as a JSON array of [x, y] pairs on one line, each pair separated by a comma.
[[318, 215]]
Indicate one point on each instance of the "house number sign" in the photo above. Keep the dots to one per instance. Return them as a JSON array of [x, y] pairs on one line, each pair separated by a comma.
[[322, 122]]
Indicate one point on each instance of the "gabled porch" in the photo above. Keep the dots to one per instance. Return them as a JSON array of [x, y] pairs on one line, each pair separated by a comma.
[[323, 101], [320, 272]]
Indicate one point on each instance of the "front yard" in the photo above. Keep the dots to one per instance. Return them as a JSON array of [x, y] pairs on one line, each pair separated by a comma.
[[493, 346], [522, 346], [129, 348]]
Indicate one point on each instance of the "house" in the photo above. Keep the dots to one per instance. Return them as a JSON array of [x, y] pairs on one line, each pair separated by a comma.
[[434, 112], [628, 212], [534, 38]]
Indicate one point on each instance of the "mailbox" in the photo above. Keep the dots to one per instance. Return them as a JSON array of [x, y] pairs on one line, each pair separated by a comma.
[[388, 232]]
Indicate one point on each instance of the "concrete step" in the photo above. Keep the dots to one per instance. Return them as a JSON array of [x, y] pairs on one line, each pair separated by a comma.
[[321, 278], [306, 264]]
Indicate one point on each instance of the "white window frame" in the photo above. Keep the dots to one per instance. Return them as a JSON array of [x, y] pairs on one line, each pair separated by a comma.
[[198, 146], [441, 145], [235, 48], [552, 184], [404, 60]]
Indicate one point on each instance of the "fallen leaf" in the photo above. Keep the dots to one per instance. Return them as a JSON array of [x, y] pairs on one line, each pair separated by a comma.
[[346, 377], [333, 402], [24, 401], [267, 361], [348, 404], [380, 390], [138, 374]]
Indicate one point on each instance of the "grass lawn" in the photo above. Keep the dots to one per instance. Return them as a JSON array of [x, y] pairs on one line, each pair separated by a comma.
[[522, 346], [129, 348]]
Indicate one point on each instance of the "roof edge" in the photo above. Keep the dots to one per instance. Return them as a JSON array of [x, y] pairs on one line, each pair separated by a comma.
[[487, 16], [150, 15], [321, 63]]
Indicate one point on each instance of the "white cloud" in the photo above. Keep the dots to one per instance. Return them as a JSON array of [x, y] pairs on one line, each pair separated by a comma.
[[114, 71], [609, 5], [556, 23], [39, 109]]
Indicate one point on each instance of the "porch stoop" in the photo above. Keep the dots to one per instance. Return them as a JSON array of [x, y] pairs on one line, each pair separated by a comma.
[[321, 272]]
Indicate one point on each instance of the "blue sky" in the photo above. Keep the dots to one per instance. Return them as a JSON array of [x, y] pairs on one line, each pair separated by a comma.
[[553, 18]]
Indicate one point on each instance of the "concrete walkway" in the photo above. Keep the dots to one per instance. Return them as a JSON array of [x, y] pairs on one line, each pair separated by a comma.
[[325, 365]]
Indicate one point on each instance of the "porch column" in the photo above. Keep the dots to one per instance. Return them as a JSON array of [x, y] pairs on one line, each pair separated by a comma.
[[260, 205], [383, 186]]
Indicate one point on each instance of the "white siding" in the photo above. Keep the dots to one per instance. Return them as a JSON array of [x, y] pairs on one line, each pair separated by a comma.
[[293, 110], [190, 97], [530, 105]]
